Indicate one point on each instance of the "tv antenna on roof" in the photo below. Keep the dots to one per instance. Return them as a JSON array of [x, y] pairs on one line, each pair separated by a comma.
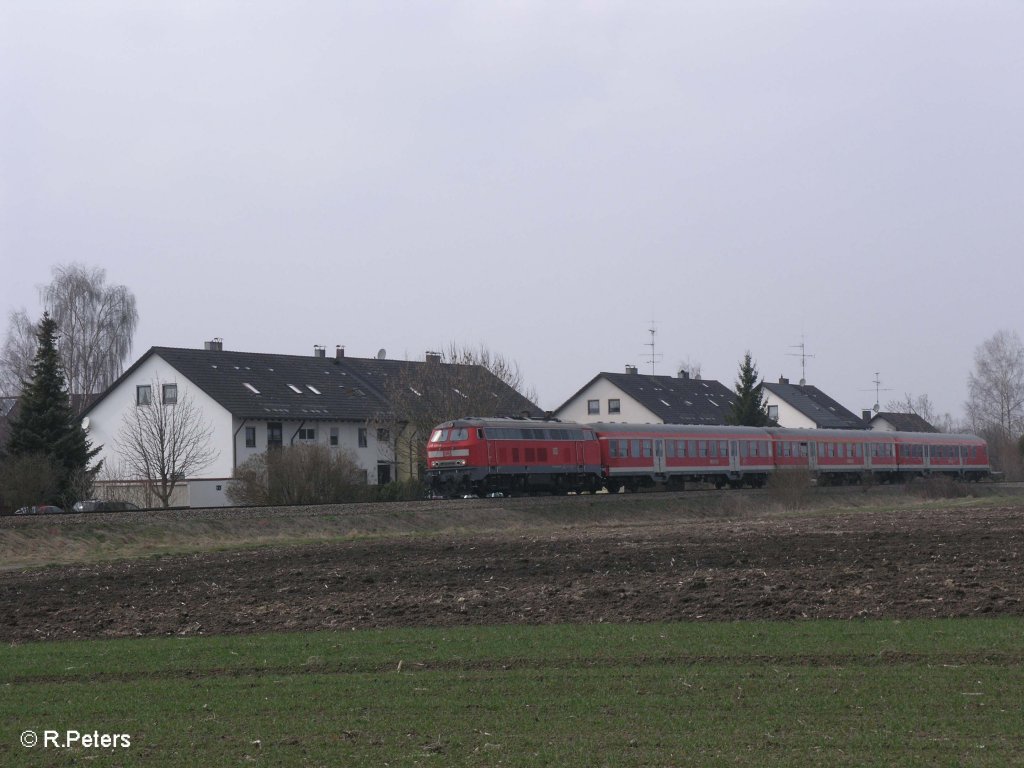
[[878, 388], [803, 355], [654, 356]]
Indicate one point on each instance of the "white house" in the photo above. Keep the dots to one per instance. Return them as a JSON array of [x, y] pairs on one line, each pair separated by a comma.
[[255, 401], [636, 398], [803, 406], [887, 421]]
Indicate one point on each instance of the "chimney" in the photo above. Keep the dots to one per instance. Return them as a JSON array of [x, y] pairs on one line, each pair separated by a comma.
[[683, 373], [215, 345], [631, 370], [339, 351], [433, 357], [783, 380], [318, 351]]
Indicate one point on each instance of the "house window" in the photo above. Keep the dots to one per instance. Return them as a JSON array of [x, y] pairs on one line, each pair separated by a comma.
[[170, 394], [383, 435], [143, 394], [250, 437], [274, 434], [362, 437], [614, 406], [334, 437], [773, 412], [307, 435], [593, 407]]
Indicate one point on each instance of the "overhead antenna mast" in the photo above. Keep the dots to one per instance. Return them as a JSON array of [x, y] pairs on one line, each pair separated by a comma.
[[652, 355], [803, 355], [877, 381]]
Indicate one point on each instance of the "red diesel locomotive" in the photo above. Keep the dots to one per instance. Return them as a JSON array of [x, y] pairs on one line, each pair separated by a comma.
[[482, 456], [510, 456]]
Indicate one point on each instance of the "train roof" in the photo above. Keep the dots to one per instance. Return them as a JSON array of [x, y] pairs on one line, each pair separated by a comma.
[[866, 435], [675, 429], [507, 421]]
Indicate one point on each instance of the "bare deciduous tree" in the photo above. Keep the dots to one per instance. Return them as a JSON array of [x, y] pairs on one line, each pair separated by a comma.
[[503, 368], [460, 381], [162, 443], [923, 407], [996, 386], [17, 354], [97, 323]]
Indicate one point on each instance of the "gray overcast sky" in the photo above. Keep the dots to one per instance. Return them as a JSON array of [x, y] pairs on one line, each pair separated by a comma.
[[543, 177]]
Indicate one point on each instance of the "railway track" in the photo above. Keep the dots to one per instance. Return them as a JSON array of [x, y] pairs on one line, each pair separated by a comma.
[[882, 490]]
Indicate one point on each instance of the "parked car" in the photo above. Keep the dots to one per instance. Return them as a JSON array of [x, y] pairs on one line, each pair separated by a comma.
[[102, 505], [40, 509]]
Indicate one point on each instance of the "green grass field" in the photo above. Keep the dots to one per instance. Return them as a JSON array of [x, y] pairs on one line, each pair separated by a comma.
[[748, 694]]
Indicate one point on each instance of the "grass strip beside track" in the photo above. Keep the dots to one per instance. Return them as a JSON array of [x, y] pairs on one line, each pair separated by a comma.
[[879, 693], [68, 539]]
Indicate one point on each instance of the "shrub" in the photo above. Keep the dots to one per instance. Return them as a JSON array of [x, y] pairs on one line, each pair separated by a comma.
[[404, 490], [29, 479], [790, 487], [937, 487], [300, 474]]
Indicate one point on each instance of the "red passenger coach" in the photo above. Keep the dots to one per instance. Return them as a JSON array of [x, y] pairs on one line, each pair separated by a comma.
[[511, 456], [925, 453], [637, 455]]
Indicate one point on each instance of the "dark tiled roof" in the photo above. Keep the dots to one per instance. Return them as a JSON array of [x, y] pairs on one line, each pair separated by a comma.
[[905, 422], [825, 412], [677, 400], [253, 385]]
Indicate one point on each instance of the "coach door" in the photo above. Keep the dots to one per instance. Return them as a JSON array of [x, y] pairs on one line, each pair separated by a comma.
[[734, 456], [659, 457]]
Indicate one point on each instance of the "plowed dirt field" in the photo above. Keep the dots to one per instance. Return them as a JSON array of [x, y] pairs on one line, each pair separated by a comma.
[[892, 564]]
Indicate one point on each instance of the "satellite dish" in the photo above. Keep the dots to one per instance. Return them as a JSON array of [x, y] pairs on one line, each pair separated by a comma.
[[85, 423], [381, 354]]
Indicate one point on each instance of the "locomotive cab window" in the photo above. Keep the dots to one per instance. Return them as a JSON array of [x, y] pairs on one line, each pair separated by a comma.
[[439, 436]]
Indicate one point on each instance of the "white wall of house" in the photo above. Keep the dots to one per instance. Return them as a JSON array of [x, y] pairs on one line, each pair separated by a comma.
[[106, 418], [789, 417], [602, 391], [881, 424], [368, 456]]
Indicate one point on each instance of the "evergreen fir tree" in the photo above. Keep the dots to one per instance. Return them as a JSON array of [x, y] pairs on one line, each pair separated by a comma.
[[46, 425], [749, 408]]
